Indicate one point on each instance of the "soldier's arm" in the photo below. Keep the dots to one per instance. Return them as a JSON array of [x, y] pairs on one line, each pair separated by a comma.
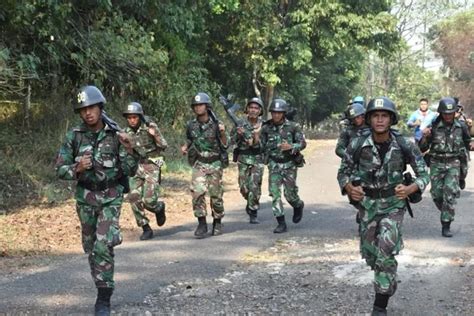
[[224, 136], [65, 165], [342, 143], [128, 160], [347, 167], [160, 141], [299, 142], [466, 136], [419, 166]]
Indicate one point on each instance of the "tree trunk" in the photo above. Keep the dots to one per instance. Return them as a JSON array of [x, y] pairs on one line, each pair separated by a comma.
[[27, 107]]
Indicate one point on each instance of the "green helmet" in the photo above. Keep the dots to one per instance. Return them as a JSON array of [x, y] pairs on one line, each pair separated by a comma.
[[447, 105], [201, 98], [382, 104], [355, 110], [87, 96], [133, 108], [279, 105]]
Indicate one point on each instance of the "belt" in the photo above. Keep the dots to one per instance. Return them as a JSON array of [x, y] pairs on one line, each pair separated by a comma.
[[250, 152], [208, 159], [378, 193], [444, 159], [100, 186], [281, 160]]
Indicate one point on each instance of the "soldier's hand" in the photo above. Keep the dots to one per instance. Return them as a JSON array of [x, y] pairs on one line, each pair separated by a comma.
[[152, 130], [184, 149], [126, 141], [355, 193], [221, 128], [284, 146], [469, 122], [426, 131], [85, 163], [240, 130], [417, 123], [403, 191]]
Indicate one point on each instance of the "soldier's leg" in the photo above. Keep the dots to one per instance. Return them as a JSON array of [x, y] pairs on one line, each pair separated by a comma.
[[151, 187], [388, 243], [88, 218], [451, 191], [151, 193], [135, 198], [108, 236], [275, 181], [255, 177], [243, 179], [291, 193], [437, 175], [368, 240], [198, 192], [216, 190]]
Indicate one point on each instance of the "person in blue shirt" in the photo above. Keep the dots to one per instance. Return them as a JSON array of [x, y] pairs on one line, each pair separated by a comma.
[[421, 117]]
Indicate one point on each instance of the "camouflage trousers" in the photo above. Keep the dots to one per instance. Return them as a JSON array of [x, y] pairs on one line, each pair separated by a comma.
[[207, 178], [380, 241], [144, 191], [250, 183], [445, 187], [286, 177], [100, 233]]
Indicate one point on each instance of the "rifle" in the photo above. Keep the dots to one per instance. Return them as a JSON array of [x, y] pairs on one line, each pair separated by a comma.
[[224, 156], [230, 109]]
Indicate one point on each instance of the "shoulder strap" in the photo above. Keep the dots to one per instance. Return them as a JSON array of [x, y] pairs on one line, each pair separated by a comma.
[[76, 143], [358, 148]]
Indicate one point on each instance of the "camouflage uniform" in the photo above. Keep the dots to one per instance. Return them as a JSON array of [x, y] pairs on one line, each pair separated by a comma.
[[250, 163], [99, 196], [207, 169], [381, 211], [145, 185], [346, 135], [447, 145], [281, 165]]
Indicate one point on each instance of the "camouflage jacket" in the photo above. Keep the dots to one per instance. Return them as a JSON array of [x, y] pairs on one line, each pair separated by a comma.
[[377, 175], [145, 144], [202, 137], [446, 140], [274, 135], [249, 155], [110, 162], [348, 133]]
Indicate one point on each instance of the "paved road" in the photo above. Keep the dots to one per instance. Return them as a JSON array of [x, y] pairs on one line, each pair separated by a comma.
[[64, 286]]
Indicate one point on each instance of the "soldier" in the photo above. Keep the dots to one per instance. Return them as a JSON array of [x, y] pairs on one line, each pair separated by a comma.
[[378, 160], [282, 142], [448, 145], [145, 185], [206, 141], [98, 158], [356, 115], [250, 157]]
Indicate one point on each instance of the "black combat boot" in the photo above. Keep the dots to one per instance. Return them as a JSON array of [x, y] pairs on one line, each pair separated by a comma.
[[445, 230], [160, 213], [380, 304], [281, 228], [216, 227], [298, 213], [462, 184], [102, 304], [201, 230], [252, 215], [147, 232]]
